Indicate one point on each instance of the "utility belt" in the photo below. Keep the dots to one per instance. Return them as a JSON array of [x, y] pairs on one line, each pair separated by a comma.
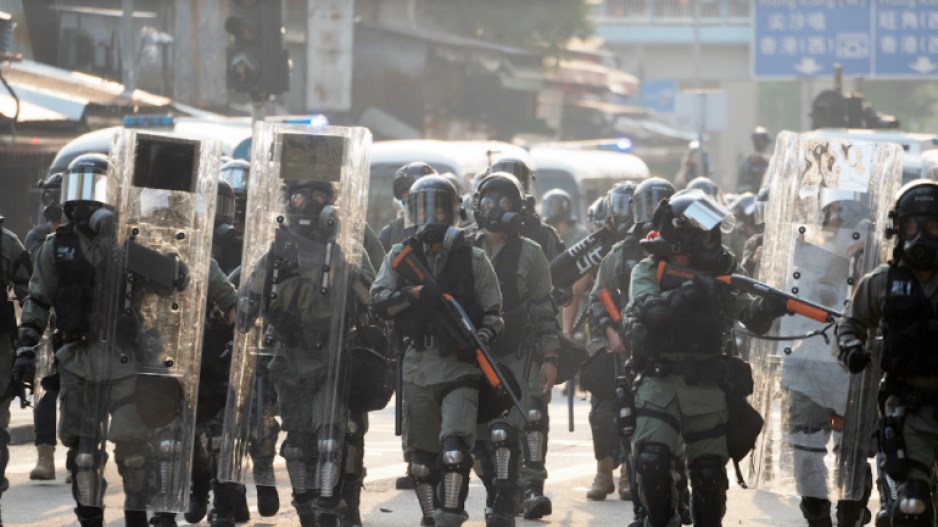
[[733, 375], [68, 338], [907, 400], [911, 397], [444, 346]]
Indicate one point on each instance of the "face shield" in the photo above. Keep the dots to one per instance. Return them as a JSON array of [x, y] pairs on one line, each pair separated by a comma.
[[84, 186], [427, 207], [644, 203], [620, 208]]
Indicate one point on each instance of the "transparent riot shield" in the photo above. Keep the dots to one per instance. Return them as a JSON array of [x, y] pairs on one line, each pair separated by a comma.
[[303, 250], [824, 230], [158, 287]]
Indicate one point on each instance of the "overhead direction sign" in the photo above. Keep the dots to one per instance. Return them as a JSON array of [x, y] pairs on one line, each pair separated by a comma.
[[870, 38]]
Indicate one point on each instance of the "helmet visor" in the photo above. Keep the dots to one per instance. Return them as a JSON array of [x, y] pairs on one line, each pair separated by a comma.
[[620, 206], [432, 206], [706, 214], [237, 177], [225, 208], [644, 203], [911, 226], [84, 186]]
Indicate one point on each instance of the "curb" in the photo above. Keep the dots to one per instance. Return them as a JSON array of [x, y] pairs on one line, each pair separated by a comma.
[[22, 434]]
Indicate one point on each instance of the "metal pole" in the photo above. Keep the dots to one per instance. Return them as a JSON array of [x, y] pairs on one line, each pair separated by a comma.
[[128, 45], [701, 99]]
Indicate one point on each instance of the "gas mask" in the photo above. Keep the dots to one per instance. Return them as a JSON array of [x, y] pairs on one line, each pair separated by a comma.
[[918, 235], [706, 252], [497, 213], [90, 217], [311, 214]]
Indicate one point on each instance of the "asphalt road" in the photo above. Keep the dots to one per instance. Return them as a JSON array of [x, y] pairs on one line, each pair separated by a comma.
[[570, 463]]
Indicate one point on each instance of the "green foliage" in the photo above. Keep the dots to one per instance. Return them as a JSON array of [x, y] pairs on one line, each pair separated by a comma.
[[532, 24]]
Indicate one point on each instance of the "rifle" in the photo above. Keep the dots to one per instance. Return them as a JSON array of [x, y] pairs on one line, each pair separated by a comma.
[[625, 399], [673, 276], [458, 324]]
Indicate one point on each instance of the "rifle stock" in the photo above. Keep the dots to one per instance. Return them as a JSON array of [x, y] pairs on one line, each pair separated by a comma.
[[672, 276]]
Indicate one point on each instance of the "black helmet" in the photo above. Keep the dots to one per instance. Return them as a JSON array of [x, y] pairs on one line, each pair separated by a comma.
[[597, 213], [85, 193], [516, 167], [406, 175], [556, 206], [51, 195], [308, 206], [498, 203], [225, 206], [762, 200], [432, 208], [619, 201], [690, 222], [456, 181], [236, 173], [915, 221], [707, 186], [760, 138], [648, 194]]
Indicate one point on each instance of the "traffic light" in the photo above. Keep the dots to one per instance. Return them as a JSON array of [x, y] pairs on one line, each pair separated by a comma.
[[257, 62]]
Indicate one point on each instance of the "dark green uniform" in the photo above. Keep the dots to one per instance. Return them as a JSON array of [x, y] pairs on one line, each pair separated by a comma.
[[894, 299], [440, 390], [679, 340], [15, 268], [520, 265]]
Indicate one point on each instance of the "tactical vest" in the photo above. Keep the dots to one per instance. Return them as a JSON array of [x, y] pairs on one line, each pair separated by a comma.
[[75, 295], [456, 278], [910, 327], [692, 329], [533, 228], [630, 253], [514, 310], [391, 234]]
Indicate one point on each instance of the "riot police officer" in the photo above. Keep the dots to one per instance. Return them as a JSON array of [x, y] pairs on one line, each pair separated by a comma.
[[536, 504], [441, 386], [708, 187], [752, 249], [681, 393], [15, 269], [754, 167], [44, 412], [634, 214], [524, 279], [557, 211], [900, 298], [404, 178], [744, 209]]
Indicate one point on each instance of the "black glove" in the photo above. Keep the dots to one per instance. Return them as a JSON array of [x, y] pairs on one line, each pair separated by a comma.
[[855, 358], [774, 307], [24, 368], [692, 295], [430, 295]]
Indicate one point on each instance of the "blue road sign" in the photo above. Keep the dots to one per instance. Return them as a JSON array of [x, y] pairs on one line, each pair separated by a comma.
[[872, 38], [657, 96]]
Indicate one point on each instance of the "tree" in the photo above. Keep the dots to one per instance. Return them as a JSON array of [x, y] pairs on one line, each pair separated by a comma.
[[531, 24]]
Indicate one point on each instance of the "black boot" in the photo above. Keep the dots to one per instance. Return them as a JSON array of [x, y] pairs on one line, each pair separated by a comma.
[[536, 504], [222, 514], [816, 511], [852, 514], [90, 516], [198, 497], [240, 506], [352, 495], [163, 519], [504, 508], [639, 513], [135, 518], [268, 501], [305, 504]]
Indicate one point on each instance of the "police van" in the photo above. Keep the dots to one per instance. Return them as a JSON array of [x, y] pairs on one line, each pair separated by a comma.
[[584, 174]]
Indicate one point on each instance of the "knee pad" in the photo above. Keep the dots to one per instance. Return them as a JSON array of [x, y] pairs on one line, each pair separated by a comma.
[[455, 464], [505, 443], [653, 472], [913, 507], [709, 483], [330, 457], [295, 452], [84, 467], [535, 437], [132, 459], [422, 469]]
